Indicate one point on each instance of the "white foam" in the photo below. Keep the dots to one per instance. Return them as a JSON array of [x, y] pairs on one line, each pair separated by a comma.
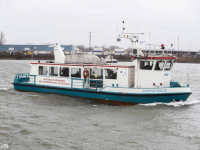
[[4, 89], [4, 146], [175, 104]]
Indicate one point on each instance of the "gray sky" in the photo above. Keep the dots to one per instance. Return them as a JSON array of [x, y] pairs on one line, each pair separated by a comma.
[[70, 21]]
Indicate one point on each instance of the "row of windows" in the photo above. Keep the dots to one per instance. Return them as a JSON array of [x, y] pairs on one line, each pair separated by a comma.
[[147, 65], [95, 73]]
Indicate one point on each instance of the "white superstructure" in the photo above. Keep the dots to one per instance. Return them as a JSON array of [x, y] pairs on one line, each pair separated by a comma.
[[146, 79]]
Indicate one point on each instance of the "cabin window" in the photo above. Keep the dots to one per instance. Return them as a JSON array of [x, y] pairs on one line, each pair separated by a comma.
[[168, 65], [64, 71], [42, 70], [146, 65], [111, 73], [76, 72], [96, 73], [159, 65], [53, 71]]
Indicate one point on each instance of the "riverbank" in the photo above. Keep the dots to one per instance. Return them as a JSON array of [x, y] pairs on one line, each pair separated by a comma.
[[120, 58], [188, 60]]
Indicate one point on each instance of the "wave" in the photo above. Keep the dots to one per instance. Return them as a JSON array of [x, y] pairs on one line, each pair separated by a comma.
[[4, 89], [175, 104]]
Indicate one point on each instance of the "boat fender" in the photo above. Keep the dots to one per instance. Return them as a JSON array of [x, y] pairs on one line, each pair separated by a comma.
[[85, 73]]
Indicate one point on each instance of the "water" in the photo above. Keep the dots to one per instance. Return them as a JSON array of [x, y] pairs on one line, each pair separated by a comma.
[[40, 121]]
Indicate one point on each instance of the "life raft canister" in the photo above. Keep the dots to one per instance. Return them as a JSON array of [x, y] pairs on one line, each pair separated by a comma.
[[85, 73]]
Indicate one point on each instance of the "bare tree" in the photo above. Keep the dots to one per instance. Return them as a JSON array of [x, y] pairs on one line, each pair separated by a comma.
[[2, 38], [113, 47], [81, 47]]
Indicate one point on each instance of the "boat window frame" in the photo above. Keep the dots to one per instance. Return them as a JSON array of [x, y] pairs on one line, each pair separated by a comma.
[[170, 65], [159, 66], [53, 70], [66, 73], [76, 75], [113, 76], [147, 65], [92, 73], [43, 71]]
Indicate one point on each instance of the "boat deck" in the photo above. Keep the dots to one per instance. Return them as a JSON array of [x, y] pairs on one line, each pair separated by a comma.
[[117, 65]]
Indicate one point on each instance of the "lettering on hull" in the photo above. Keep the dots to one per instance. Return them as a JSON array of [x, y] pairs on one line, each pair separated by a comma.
[[154, 90], [54, 81]]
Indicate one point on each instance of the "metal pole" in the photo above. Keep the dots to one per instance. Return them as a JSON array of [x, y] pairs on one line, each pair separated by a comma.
[[178, 42], [90, 41], [149, 41]]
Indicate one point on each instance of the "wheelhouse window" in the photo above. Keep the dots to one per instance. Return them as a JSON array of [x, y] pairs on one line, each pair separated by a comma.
[[111, 73], [53, 71], [146, 65], [76, 72], [96, 73], [168, 65], [64, 71], [159, 65], [42, 70]]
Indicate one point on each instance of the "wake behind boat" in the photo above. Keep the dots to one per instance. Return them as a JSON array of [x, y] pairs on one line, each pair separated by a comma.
[[145, 80]]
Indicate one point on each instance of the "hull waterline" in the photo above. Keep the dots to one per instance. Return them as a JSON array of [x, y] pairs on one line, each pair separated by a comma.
[[106, 97]]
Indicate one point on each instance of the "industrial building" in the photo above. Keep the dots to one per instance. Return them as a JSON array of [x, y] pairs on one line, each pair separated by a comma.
[[36, 49], [119, 52], [98, 51]]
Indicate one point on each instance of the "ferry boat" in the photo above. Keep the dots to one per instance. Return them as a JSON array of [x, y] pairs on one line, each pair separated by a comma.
[[147, 79]]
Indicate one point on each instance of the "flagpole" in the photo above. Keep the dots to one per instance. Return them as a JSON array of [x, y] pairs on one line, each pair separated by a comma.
[[178, 42], [149, 41]]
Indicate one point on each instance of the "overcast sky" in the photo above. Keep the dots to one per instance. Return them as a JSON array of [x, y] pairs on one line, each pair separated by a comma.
[[70, 21]]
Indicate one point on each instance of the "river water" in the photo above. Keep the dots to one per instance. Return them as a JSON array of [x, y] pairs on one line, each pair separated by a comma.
[[40, 121]]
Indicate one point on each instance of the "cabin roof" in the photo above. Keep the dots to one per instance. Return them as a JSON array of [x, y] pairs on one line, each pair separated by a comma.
[[157, 57], [88, 65]]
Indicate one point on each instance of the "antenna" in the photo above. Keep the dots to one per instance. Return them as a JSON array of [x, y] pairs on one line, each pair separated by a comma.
[[118, 39], [90, 41], [123, 25], [117, 29]]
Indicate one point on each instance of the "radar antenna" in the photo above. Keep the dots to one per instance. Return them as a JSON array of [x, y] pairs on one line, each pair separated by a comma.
[[134, 38]]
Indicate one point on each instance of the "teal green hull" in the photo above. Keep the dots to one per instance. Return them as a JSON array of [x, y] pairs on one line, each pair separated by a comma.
[[107, 97]]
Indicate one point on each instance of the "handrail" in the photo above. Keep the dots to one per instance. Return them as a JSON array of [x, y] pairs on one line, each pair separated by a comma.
[[86, 84], [76, 83], [24, 78]]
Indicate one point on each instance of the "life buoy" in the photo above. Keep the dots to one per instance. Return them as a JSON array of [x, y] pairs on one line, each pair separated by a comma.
[[85, 73]]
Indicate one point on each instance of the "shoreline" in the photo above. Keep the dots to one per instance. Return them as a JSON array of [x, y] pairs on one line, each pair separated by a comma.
[[119, 58]]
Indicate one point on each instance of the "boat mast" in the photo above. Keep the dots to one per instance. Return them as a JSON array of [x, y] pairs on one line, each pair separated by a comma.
[[134, 38]]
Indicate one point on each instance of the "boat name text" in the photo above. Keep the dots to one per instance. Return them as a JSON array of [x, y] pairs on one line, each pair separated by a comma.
[[54, 81], [154, 90]]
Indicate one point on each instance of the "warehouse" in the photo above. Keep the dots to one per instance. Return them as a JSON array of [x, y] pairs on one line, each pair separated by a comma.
[[36, 49]]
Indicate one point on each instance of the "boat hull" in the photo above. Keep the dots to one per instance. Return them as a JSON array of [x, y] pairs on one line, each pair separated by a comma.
[[106, 97]]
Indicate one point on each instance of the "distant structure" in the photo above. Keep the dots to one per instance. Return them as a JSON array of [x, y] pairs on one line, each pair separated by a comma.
[[35, 49], [98, 51], [119, 51]]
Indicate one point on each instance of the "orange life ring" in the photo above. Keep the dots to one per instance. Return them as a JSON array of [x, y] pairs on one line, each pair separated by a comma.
[[85, 73]]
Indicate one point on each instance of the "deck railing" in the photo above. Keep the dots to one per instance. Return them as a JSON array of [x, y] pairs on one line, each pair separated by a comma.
[[24, 78], [76, 83], [94, 85]]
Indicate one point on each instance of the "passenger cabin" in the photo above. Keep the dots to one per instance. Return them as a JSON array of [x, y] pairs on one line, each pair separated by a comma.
[[152, 72], [65, 75]]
